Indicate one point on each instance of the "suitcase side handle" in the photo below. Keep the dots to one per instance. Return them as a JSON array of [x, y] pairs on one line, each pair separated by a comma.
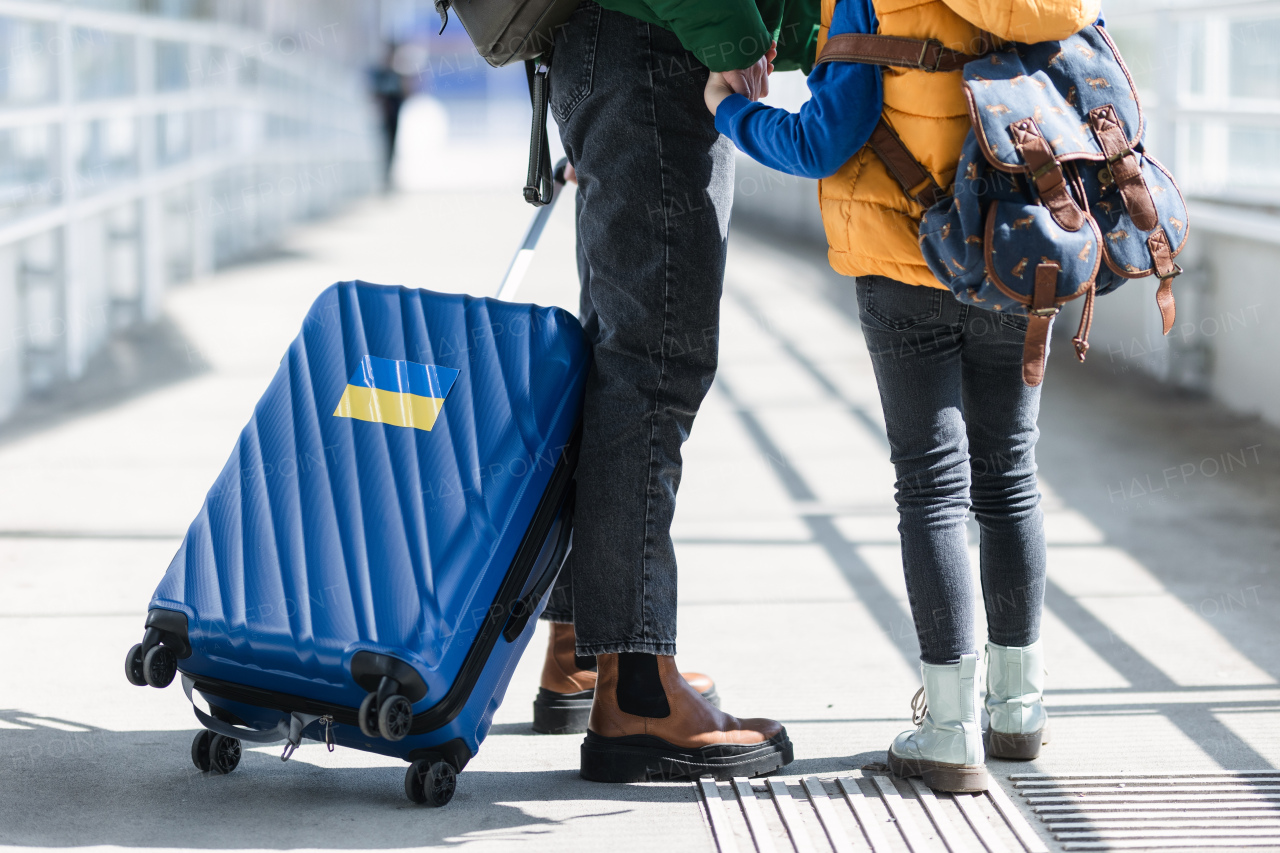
[[523, 609]]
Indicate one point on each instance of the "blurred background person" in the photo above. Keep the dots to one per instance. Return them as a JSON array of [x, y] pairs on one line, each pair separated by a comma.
[[390, 90]]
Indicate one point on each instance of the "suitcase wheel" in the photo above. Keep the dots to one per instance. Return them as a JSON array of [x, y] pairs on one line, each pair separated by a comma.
[[212, 753], [368, 716], [395, 718], [159, 666], [200, 750], [431, 781], [133, 667], [224, 754], [154, 661], [390, 718]]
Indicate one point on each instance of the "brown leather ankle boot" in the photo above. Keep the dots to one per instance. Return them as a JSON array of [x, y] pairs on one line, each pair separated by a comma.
[[692, 739], [564, 697]]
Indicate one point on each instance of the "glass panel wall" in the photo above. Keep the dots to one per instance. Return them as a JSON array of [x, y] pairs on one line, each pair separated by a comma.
[[145, 142], [28, 67], [1209, 75]]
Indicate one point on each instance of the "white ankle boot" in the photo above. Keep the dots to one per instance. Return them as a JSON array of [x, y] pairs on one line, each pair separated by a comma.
[[1015, 701], [946, 749]]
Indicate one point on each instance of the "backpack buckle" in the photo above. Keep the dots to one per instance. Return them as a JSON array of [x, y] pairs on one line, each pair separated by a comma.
[[1120, 155], [1044, 170], [1174, 273], [1044, 312], [924, 54]]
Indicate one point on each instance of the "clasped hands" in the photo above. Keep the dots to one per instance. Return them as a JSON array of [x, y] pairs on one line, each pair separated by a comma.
[[751, 82]]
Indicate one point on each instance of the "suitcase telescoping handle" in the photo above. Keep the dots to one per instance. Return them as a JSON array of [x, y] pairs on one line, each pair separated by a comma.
[[524, 255]]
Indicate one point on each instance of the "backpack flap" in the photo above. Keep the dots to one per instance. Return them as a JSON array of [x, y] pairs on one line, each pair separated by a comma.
[[1021, 237], [1057, 85], [1127, 252]]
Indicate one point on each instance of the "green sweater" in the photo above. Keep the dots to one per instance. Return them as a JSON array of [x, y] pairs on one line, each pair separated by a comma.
[[731, 34]]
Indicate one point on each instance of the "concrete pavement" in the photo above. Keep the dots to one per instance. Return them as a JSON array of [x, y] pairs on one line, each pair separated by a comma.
[[1162, 610]]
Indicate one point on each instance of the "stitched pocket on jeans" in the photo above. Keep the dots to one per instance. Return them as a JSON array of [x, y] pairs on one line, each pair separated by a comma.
[[899, 306], [1017, 322], [573, 63]]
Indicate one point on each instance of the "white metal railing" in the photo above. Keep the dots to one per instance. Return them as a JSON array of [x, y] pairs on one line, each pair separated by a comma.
[[137, 150]]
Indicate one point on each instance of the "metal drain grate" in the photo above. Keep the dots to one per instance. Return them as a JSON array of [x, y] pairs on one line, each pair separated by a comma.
[[856, 813], [1136, 812]]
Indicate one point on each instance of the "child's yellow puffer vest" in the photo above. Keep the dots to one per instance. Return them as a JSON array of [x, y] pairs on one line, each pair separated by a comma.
[[872, 227]]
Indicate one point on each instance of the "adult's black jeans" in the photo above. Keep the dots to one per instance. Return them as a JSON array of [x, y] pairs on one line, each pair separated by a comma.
[[655, 184]]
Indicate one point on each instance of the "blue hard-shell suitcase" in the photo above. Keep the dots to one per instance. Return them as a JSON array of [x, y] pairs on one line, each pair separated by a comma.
[[370, 563]]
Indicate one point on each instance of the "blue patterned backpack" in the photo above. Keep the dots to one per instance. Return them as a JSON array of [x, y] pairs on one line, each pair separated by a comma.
[[1055, 197]]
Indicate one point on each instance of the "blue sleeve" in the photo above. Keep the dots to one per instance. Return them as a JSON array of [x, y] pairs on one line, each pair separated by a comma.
[[832, 126]]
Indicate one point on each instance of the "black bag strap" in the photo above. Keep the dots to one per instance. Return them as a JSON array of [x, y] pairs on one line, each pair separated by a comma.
[[538, 183]]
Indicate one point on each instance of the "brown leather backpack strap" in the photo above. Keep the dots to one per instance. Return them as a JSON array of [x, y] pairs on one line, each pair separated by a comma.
[[898, 52], [1047, 174], [916, 180], [1166, 271], [1081, 340], [1125, 166], [1040, 314]]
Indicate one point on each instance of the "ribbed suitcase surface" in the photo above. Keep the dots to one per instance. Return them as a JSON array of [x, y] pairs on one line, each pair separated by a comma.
[[376, 502]]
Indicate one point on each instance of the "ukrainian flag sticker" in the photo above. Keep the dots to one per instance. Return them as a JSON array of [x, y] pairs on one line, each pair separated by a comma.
[[401, 393]]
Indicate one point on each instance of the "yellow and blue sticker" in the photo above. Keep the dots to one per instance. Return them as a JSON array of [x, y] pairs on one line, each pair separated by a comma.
[[401, 393]]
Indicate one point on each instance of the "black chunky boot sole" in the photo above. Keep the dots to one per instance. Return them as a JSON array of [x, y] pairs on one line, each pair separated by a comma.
[[567, 713], [561, 713], [951, 778], [645, 758], [1015, 747]]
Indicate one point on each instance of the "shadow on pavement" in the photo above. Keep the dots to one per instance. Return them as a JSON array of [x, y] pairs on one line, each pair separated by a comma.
[[838, 765], [274, 253], [1211, 536], [521, 728], [140, 789], [134, 362]]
